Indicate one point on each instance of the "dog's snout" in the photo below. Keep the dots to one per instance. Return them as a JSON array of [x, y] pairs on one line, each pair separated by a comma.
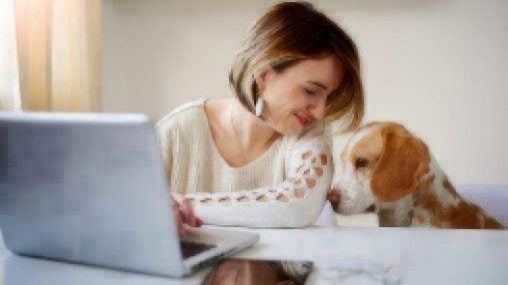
[[371, 209], [334, 195], [334, 198]]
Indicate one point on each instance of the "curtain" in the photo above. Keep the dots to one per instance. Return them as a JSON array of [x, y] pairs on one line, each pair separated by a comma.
[[9, 80], [58, 49]]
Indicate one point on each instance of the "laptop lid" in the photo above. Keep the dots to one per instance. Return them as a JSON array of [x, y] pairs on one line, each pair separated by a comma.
[[87, 188]]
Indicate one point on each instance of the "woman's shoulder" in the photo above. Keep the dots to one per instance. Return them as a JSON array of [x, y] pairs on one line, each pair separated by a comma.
[[185, 112]]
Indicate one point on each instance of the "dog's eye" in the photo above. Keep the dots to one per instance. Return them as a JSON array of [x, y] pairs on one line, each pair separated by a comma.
[[360, 162]]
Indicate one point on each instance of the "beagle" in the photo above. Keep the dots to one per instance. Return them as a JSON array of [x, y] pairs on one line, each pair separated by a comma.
[[386, 169]]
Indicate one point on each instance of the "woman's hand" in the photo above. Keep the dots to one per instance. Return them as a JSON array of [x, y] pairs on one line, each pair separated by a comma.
[[182, 210]]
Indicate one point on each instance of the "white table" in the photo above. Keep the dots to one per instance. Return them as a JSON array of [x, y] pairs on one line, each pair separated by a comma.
[[399, 255]]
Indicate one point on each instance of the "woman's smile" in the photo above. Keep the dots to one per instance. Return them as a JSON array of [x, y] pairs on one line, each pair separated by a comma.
[[302, 120]]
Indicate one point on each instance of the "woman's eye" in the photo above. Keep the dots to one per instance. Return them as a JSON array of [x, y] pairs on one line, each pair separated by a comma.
[[310, 93], [360, 163]]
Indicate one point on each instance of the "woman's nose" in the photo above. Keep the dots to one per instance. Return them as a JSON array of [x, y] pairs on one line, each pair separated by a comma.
[[318, 110]]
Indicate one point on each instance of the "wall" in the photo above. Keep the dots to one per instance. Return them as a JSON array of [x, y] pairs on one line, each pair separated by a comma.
[[440, 67]]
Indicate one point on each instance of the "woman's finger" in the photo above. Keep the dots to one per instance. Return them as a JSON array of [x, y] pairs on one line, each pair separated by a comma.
[[190, 218], [181, 228], [178, 214]]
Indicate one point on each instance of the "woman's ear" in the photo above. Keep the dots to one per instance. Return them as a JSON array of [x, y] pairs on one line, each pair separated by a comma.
[[404, 160], [263, 76]]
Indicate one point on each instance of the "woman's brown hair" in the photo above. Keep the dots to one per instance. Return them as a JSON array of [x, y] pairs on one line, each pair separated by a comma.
[[288, 33]]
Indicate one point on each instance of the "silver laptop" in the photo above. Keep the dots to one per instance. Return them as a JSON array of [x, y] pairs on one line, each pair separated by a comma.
[[91, 188]]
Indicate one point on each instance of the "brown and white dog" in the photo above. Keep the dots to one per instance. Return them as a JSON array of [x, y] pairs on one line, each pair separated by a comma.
[[385, 168]]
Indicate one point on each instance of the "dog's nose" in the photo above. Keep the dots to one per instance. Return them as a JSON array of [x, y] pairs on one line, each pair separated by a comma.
[[371, 209], [334, 195]]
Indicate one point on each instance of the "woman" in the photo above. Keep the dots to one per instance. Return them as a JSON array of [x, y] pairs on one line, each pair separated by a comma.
[[260, 159]]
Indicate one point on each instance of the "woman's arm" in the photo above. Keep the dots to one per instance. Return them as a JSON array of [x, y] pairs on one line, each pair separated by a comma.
[[182, 209], [297, 202]]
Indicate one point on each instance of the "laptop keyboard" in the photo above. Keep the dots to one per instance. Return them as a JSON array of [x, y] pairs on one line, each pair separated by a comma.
[[190, 249]]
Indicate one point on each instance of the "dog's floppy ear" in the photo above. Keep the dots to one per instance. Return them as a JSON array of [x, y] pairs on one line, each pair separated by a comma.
[[404, 160]]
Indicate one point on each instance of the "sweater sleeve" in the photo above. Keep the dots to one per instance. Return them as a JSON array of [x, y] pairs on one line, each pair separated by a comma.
[[296, 202], [165, 142]]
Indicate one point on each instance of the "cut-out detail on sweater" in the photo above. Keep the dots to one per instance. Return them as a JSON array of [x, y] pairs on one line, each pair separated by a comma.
[[324, 159], [282, 198], [262, 198], [243, 198], [297, 185], [299, 193], [205, 201], [306, 155], [311, 183], [225, 200]]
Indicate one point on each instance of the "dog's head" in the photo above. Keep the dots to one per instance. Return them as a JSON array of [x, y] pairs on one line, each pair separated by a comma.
[[381, 163]]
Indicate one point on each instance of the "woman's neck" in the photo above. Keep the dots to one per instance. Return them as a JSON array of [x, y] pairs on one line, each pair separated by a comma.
[[253, 133]]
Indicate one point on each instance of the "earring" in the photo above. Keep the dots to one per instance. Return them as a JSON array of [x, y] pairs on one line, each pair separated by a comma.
[[260, 107]]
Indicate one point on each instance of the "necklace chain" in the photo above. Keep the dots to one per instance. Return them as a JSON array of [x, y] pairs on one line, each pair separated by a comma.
[[236, 134]]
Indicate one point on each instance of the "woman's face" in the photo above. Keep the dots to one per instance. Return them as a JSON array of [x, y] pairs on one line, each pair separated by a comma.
[[297, 96]]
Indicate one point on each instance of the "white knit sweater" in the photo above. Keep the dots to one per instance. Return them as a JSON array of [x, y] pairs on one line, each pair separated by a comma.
[[285, 187]]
